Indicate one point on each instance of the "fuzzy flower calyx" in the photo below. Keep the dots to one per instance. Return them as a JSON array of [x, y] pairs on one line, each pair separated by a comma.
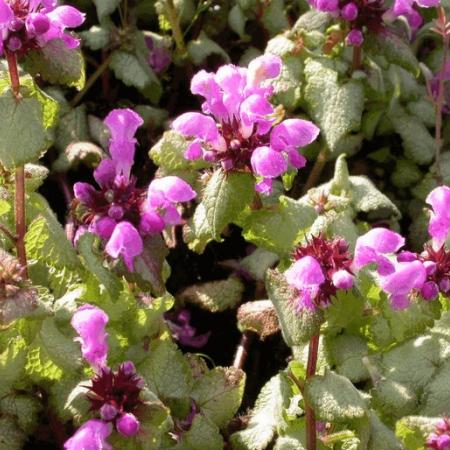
[[322, 267]]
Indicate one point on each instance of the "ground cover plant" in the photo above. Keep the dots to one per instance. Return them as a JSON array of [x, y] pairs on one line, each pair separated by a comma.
[[224, 224]]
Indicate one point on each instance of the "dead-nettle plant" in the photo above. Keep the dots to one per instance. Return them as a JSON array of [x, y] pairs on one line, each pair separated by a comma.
[[329, 317]]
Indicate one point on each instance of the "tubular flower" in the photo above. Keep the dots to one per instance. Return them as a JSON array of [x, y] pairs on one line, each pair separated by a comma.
[[406, 8], [439, 225], [114, 394], [440, 439], [321, 268], [121, 213], [89, 322], [28, 24], [400, 277], [237, 127], [91, 435]]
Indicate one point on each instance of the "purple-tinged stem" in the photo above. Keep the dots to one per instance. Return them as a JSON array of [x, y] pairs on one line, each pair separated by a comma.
[[19, 201], [356, 62], [316, 171], [311, 433], [439, 102]]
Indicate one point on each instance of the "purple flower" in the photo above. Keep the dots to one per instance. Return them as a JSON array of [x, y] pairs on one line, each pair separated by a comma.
[[27, 24], [120, 213], [89, 322], [127, 424], [321, 268], [159, 57], [407, 277], [440, 439], [236, 128], [355, 38], [374, 245], [125, 241], [439, 226], [183, 331], [406, 8], [91, 435]]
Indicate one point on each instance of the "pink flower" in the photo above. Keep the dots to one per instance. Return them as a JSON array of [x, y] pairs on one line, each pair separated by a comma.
[[32, 23], [89, 322], [127, 424], [237, 128], [91, 435], [439, 226]]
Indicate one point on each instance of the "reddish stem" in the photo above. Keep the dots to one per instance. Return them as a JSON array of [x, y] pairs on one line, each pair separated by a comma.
[[356, 63], [19, 201], [311, 434]]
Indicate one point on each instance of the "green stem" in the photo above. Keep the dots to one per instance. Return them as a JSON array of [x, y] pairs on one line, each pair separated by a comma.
[[311, 433], [91, 80], [172, 16], [19, 196]]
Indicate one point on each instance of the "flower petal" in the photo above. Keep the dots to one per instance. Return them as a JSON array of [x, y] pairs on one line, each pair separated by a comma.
[[174, 189], [293, 133], [6, 14], [262, 68], [305, 272], [439, 226], [268, 163], [125, 241], [197, 125], [91, 435]]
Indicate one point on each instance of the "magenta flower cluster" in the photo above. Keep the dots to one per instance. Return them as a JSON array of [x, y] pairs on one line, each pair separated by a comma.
[[27, 24], [121, 213], [114, 394], [324, 266], [370, 15], [440, 439], [238, 126]]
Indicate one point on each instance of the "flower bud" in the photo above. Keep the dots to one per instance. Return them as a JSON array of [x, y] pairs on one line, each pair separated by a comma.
[[349, 12], [355, 38], [343, 280], [127, 425], [108, 412], [429, 290]]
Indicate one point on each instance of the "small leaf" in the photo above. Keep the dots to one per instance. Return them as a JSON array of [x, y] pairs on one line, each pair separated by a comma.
[[382, 437], [202, 47], [203, 435], [96, 38], [274, 17], [334, 398], [25, 124], [94, 265], [297, 327], [267, 417], [11, 437], [258, 316], [336, 107], [225, 196], [219, 394], [12, 364], [25, 409], [57, 64], [105, 7], [278, 229], [214, 296]]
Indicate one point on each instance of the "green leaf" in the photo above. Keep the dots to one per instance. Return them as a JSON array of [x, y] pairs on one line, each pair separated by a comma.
[[345, 355], [257, 263], [94, 265], [297, 327], [62, 350], [274, 17], [413, 431], [72, 127], [202, 47], [132, 68], [336, 107], [12, 364], [203, 435], [382, 437], [166, 371], [214, 296], [11, 437], [168, 153], [278, 229], [394, 49], [418, 143], [96, 38], [57, 64], [219, 394], [25, 124], [237, 21], [225, 196], [436, 396], [105, 7], [24, 409], [267, 417], [406, 173], [334, 398]]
